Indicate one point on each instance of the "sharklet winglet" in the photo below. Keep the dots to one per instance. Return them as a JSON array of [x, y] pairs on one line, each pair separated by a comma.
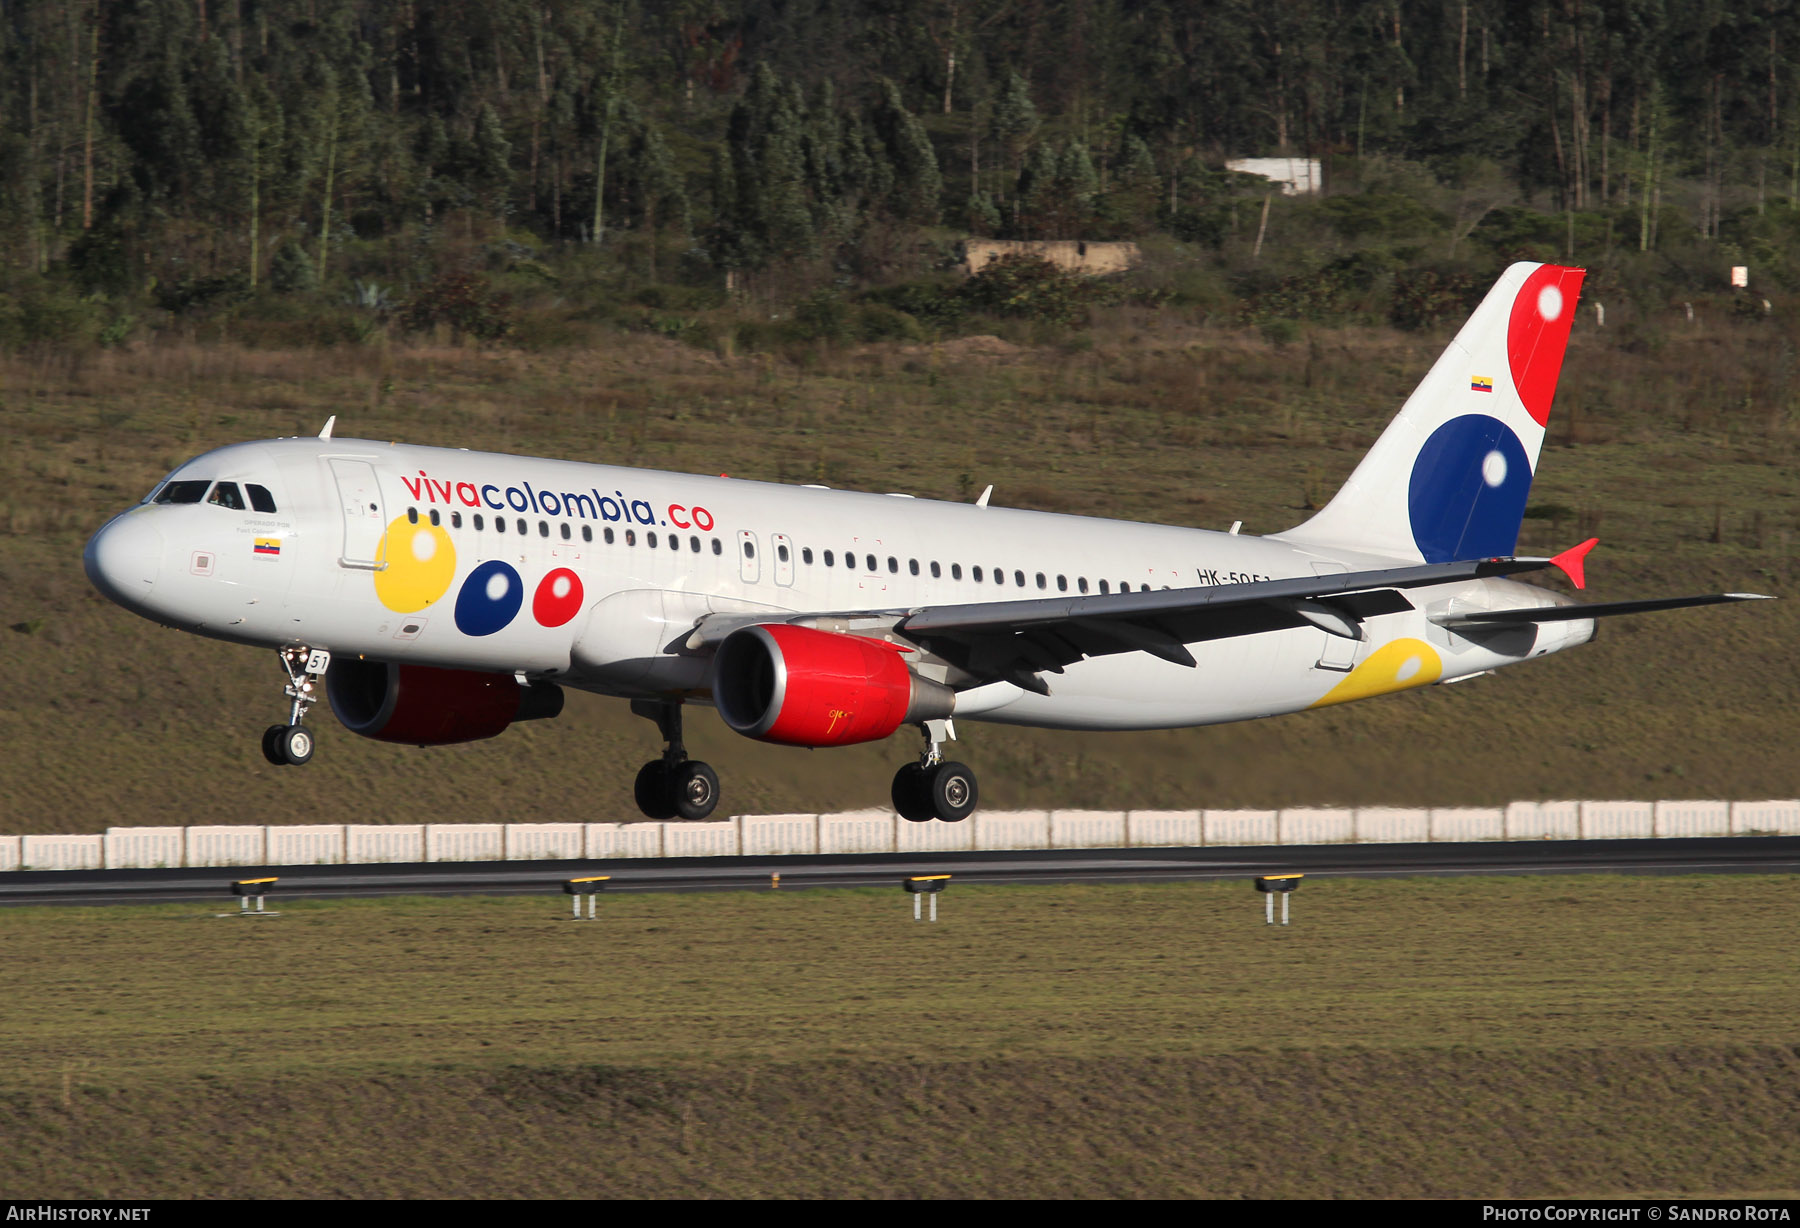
[[1569, 562], [325, 431]]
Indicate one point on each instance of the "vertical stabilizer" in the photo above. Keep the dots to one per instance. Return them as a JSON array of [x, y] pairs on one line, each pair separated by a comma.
[[1449, 477]]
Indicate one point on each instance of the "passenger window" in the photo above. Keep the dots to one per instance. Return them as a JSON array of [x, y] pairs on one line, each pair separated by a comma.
[[936, 572], [1019, 579], [956, 571], [694, 544], [1041, 584], [412, 515], [631, 537], [587, 532], [607, 533], [456, 520], [650, 539], [781, 552], [830, 559], [260, 498], [749, 550], [976, 573], [434, 516], [1062, 584], [1081, 583], [183, 492], [717, 548], [893, 565], [675, 541], [565, 531], [519, 524], [912, 565], [225, 494], [806, 554], [499, 524], [1104, 588], [999, 575], [870, 560], [543, 528], [480, 523]]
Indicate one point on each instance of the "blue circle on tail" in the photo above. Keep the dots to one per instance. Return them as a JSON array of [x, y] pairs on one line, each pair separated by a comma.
[[489, 599], [1467, 496]]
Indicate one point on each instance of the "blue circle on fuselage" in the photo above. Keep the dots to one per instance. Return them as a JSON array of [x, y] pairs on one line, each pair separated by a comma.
[[489, 599], [1467, 496]]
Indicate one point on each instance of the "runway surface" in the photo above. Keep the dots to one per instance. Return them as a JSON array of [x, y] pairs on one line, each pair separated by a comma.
[[1726, 855]]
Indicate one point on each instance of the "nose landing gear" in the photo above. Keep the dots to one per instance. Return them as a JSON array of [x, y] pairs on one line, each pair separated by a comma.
[[674, 786], [932, 788], [291, 745]]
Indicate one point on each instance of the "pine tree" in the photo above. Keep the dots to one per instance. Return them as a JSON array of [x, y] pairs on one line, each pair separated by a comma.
[[917, 183]]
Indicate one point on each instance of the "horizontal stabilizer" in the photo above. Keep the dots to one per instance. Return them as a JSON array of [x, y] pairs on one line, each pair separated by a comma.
[[1574, 613]]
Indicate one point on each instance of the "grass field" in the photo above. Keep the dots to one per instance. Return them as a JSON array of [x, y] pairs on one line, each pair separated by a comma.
[[1678, 449], [1455, 1037]]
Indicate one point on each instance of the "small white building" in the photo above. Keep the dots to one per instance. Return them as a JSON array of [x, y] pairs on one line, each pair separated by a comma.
[[1297, 176]]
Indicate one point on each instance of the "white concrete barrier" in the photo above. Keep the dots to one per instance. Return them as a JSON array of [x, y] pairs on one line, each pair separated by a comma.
[[465, 842], [1317, 826], [544, 841], [1457, 823], [620, 841], [1543, 821], [719, 839], [934, 837], [858, 831], [1392, 825], [61, 852], [1241, 826], [9, 852], [779, 835], [1692, 819], [1765, 818], [144, 848], [1617, 820], [227, 845], [378, 843], [1011, 829], [315, 844], [1087, 829], [1163, 828]]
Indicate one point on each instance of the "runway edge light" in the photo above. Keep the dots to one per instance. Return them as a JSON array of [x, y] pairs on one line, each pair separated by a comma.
[[591, 887], [932, 885], [1272, 885]]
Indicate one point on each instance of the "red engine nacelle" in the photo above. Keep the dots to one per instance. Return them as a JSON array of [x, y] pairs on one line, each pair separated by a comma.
[[804, 687], [423, 706]]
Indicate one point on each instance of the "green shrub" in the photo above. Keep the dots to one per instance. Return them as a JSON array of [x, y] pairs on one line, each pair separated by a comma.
[[463, 301]]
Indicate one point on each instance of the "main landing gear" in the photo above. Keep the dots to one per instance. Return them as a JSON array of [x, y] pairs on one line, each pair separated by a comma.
[[673, 787], [932, 788], [291, 745]]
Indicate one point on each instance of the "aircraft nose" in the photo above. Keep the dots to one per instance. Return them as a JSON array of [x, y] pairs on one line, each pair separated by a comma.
[[123, 559]]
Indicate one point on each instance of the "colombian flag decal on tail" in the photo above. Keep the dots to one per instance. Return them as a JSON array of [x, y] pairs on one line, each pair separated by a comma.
[[1481, 383]]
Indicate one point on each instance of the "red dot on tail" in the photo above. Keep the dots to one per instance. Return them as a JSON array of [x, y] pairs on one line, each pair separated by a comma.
[[558, 598], [1538, 333]]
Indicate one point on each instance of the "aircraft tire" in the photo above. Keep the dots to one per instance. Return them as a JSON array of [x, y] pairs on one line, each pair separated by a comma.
[[271, 750], [912, 799], [295, 742], [653, 791], [953, 792], [694, 790]]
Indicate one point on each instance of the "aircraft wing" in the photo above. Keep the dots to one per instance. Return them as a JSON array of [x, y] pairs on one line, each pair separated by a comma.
[[1571, 613]]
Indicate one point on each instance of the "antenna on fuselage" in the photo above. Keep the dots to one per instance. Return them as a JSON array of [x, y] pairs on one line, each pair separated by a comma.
[[982, 502], [325, 431]]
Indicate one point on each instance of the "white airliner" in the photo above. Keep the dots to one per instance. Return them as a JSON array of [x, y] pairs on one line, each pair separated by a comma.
[[443, 594]]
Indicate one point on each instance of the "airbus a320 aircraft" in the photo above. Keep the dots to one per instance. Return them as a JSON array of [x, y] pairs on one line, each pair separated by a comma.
[[443, 594]]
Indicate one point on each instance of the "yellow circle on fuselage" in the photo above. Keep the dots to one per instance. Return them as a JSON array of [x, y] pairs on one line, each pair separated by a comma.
[[421, 562]]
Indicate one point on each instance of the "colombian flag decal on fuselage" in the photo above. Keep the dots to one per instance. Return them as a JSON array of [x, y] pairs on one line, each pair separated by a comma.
[[267, 545]]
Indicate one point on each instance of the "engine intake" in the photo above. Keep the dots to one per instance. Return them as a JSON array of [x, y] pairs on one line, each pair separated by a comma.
[[421, 705], [803, 687]]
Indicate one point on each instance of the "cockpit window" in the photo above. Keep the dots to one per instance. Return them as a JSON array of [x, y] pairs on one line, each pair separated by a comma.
[[260, 498], [183, 492], [226, 494]]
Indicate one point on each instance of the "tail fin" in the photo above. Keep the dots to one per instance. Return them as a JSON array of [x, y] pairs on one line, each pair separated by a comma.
[[1448, 478]]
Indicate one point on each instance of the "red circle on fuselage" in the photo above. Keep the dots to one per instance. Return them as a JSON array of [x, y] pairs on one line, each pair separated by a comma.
[[558, 598]]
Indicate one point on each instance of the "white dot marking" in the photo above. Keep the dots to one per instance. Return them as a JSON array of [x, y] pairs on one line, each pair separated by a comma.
[[424, 545], [1407, 669], [560, 587], [1550, 303], [497, 585], [1493, 468]]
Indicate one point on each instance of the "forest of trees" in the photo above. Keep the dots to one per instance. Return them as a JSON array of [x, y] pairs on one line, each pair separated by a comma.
[[201, 151]]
